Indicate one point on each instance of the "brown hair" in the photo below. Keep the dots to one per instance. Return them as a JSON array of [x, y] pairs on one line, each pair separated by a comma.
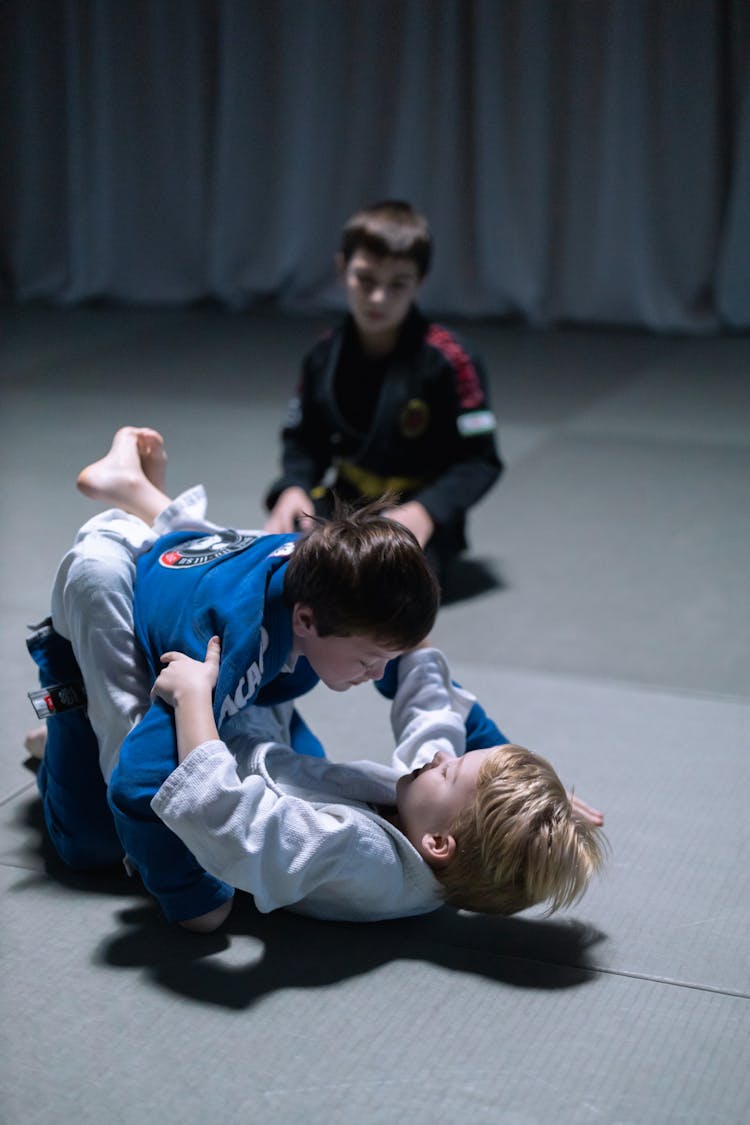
[[389, 229], [362, 573], [520, 842]]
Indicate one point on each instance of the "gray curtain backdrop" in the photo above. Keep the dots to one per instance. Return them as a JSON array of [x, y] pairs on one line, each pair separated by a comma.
[[579, 160]]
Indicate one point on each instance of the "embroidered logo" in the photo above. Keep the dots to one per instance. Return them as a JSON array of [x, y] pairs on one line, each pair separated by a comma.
[[206, 549], [415, 418]]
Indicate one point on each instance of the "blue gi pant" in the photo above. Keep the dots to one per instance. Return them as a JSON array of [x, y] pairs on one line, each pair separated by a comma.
[[76, 803], [74, 795]]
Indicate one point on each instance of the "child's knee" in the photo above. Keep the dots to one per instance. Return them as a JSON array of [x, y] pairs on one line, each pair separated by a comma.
[[129, 795], [86, 850], [78, 822]]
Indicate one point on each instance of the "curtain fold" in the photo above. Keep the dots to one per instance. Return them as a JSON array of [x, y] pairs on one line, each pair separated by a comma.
[[579, 162]]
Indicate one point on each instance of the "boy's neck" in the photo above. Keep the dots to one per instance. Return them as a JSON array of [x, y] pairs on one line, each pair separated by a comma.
[[378, 344]]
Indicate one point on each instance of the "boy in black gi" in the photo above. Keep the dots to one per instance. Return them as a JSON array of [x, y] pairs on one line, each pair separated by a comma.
[[388, 401]]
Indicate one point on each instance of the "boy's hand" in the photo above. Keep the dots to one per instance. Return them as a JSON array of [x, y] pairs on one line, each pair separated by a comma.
[[291, 512], [593, 816], [184, 677], [415, 516], [187, 685]]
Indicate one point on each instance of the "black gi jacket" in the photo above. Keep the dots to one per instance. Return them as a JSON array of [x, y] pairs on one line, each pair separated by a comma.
[[427, 431]]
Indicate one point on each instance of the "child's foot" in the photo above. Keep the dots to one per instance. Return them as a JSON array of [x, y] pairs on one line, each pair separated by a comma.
[[153, 456], [131, 475], [36, 741], [135, 452]]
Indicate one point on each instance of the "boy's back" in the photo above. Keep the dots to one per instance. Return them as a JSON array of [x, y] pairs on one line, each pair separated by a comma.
[[191, 587]]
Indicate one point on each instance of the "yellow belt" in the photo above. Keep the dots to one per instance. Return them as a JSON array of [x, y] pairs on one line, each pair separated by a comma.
[[371, 485]]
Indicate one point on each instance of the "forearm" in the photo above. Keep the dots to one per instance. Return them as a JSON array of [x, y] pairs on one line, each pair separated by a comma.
[[292, 511], [187, 686], [305, 457], [194, 721], [415, 516], [302, 475], [278, 848], [459, 488], [429, 710]]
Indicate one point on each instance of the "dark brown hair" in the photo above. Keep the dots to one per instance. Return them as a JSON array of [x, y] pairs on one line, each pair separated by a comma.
[[389, 229], [362, 573]]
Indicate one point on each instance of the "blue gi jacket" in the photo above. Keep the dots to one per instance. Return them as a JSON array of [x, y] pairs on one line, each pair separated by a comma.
[[229, 584], [189, 588]]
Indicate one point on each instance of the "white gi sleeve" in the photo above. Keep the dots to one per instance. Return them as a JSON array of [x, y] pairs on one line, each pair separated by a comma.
[[428, 711], [277, 847]]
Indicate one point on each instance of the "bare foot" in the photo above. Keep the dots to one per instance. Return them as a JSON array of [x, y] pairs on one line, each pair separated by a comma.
[[153, 456], [36, 741], [135, 451], [131, 475]]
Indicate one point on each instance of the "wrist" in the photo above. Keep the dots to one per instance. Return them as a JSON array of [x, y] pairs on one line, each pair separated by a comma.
[[194, 721], [192, 697]]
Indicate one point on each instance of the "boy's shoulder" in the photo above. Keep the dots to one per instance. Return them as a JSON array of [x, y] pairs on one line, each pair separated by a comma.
[[194, 552], [445, 344], [324, 341], [451, 346], [449, 354]]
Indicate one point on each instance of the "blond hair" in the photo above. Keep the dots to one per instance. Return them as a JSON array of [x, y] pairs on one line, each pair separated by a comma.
[[521, 841]]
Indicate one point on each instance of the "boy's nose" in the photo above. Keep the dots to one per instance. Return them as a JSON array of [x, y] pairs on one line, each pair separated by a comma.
[[439, 757], [377, 671]]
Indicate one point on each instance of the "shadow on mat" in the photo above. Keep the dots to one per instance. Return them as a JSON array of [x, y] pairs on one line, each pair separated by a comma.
[[468, 578], [255, 954]]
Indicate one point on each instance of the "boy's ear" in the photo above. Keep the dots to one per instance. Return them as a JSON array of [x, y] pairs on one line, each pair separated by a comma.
[[439, 849], [303, 620]]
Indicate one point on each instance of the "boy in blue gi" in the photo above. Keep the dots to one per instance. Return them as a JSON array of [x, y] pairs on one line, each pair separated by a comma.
[[388, 402], [335, 604]]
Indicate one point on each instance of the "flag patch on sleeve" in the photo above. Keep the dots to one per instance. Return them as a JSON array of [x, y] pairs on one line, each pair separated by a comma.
[[475, 422]]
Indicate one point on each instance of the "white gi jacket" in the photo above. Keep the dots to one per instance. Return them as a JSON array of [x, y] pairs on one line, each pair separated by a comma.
[[303, 832]]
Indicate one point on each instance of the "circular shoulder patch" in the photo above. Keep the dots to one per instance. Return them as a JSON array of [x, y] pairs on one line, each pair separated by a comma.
[[206, 549], [284, 550]]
